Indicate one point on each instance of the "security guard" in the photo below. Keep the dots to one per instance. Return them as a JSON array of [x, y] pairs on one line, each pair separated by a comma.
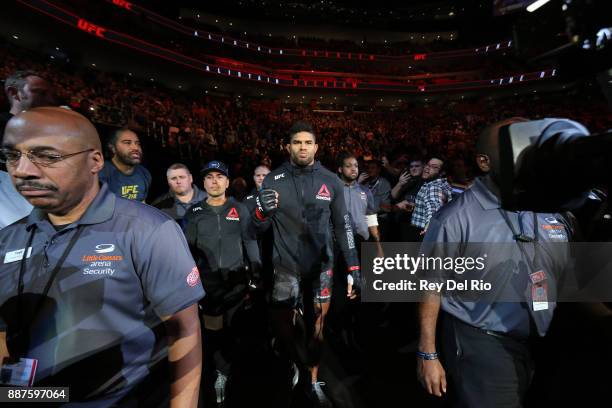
[[485, 342], [87, 276]]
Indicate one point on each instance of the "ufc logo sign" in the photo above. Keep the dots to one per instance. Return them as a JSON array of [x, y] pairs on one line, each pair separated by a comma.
[[91, 28], [123, 4]]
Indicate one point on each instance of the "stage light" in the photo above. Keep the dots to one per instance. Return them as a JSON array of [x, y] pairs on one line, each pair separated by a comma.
[[536, 5]]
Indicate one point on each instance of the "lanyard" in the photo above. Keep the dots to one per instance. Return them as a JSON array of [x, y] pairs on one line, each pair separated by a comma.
[[521, 238], [19, 339], [54, 272]]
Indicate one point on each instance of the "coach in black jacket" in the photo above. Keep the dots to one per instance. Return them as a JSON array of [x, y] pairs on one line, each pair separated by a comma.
[[220, 234], [304, 204]]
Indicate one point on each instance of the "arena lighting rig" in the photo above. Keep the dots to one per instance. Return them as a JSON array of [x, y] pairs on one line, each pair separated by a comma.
[[292, 52], [271, 76]]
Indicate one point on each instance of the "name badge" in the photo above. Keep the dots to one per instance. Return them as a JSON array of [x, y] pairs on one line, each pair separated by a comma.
[[17, 255], [539, 291], [20, 373]]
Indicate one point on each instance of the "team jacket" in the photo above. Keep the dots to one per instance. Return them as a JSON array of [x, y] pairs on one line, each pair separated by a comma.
[[249, 200], [309, 198], [218, 241]]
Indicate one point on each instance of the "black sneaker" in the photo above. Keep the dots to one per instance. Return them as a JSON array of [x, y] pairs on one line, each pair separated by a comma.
[[295, 375], [317, 395], [220, 383]]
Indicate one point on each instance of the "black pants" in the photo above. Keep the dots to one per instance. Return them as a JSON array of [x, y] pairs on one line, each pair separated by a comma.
[[484, 370]]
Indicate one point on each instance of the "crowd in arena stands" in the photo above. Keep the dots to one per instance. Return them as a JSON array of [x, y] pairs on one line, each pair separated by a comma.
[[415, 43], [246, 132]]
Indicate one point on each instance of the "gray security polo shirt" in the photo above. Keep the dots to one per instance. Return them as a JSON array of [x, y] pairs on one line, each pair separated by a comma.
[[359, 202], [129, 266], [475, 218], [12, 204]]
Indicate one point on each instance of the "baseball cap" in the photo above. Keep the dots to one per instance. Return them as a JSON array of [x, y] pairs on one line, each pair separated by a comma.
[[215, 165]]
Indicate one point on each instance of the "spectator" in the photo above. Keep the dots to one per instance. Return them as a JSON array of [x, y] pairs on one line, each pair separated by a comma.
[[25, 90], [405, 192], [433, 194]]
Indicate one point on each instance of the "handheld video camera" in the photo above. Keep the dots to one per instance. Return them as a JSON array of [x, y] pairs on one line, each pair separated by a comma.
[[551, 165]]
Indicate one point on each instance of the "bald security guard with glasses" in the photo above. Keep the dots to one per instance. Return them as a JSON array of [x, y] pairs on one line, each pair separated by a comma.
[[88, 278]]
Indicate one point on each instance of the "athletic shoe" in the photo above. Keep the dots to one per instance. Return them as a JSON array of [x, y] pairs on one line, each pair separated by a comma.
[[295, 378], [220, 387], [317, 395]]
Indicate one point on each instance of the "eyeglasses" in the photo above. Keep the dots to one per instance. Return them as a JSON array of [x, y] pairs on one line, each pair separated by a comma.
[[11, 157]]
